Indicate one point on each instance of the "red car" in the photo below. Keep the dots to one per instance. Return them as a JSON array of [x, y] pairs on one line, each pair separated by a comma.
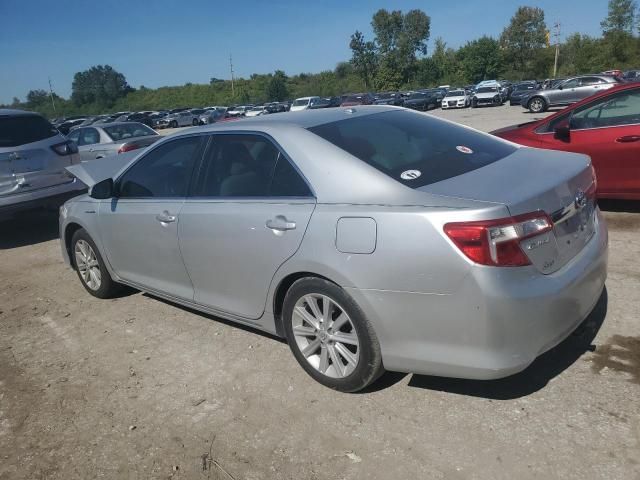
[[357, 99], [605, 126]]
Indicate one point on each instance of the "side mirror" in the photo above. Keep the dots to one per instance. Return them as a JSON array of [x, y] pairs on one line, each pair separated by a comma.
[[562, 132], [102, 190]]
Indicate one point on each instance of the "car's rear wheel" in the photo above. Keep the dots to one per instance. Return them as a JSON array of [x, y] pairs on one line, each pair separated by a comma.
[[330, 336], [90, 266], [537, 105]]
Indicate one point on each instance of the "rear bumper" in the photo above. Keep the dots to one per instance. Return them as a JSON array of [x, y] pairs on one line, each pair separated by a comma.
[[495, 324], [44, 197]]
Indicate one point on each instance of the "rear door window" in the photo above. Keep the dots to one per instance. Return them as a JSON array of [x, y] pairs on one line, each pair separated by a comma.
[[22, 129], [413, 148]]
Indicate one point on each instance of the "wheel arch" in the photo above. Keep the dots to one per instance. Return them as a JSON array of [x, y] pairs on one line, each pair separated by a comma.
[[69, 230], [280, 293]]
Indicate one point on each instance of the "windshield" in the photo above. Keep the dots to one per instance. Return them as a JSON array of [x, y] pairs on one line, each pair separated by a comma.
[[486, 89], [417, 95], [22, 129], [301, 102], [128, 130], [456, 93], [398, 141]]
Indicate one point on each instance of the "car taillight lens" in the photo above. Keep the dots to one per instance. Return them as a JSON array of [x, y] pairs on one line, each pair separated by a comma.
[[65, 148], [497, 242], [128, 148]]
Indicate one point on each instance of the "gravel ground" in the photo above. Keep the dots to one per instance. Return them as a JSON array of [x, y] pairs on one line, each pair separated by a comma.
[[136, 387]]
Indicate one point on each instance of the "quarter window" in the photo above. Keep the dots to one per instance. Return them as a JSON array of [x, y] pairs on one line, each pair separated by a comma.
[[162, 173], [247, 166]]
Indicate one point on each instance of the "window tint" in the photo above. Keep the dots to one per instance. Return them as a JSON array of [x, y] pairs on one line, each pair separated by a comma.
[[394, 142], [620, 109], [591, 81], [75, 136], [247, 166], [89, 136], [22, 129], [163, 172], [571, 83]]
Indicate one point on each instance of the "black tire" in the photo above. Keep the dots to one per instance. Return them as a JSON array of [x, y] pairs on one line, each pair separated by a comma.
[[108, 288], [474, 103], [537, 105], [173, 124], [369, 365], [195, 122]]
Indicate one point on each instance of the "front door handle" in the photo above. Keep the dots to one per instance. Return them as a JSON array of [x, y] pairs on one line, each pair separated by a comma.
[[165, 217], [628, 139], [281, 224]]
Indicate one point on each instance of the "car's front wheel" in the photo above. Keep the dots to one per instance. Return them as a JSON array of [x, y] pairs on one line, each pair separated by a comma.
[[537, 105], [90, 266], [330, 336]]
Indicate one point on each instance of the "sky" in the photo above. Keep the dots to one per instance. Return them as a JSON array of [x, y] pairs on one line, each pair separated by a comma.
[[169, 42]]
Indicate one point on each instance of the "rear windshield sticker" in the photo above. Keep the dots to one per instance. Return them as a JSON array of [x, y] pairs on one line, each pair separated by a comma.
[[410, 174], [463, 149]]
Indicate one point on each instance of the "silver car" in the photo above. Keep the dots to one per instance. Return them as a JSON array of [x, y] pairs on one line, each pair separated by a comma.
[[33, 158], [178, 119], [369, 237], [98, 141], [570, 91]]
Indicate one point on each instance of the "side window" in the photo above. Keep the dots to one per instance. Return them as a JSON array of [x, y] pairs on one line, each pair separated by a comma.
[[620, 109], [240, 165], [75, 136], [89, 136], [163, 173], [571, 83], [586, 81]]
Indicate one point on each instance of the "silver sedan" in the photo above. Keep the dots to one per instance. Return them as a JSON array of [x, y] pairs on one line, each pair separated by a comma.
[[98, 141], [371, 238]]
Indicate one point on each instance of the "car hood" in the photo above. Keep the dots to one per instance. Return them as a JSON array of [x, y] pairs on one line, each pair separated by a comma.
[[447, 99], [95, 171], [486, 94]]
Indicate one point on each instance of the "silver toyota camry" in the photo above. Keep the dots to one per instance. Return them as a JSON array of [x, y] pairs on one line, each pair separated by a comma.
[[371, 238]]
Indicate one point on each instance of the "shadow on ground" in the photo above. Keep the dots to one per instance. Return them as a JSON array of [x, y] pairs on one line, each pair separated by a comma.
[[628, 206], [28, 228], [537, 375]]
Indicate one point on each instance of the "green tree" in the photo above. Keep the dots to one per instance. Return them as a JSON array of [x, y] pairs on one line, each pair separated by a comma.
[[37, 97], [399, 39], [620, 18], [100, 85], [524, 38], [277, 87], [363, 57], [480, 59]]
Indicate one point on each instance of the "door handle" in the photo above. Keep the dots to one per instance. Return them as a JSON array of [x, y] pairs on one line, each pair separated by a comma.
[[281, 224], [165, 217], [628, 139]]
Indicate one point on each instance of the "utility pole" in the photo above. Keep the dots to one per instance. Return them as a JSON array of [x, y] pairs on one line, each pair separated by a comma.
[[556, 37], [233, 90], [52, 101]]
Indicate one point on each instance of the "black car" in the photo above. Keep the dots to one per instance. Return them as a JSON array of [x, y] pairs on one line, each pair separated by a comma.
[[422, 100], [520, 90], [389, 98], [67, 125], [140, 117]]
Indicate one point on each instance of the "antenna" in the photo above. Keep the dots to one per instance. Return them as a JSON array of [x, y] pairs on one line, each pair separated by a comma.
[[556, 38], [52, 101], [233, 91]]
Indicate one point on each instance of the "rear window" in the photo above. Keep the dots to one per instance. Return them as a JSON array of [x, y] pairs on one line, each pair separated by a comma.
[[23, 129], [128, 130], [413, 148]]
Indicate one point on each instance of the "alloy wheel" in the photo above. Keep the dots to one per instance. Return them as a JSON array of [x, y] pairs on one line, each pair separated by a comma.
[[536, 105], [325, 335], [88, 265]]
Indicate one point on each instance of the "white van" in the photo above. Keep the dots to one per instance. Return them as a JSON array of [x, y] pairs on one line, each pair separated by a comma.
[[303, 103]]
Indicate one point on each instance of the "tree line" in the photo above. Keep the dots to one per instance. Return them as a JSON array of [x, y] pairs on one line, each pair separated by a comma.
[[395, 58]]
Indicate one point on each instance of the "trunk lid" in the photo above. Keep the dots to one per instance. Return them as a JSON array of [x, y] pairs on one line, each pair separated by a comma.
[[531, 180]]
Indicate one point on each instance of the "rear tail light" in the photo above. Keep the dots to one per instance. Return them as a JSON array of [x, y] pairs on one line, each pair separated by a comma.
[[497, 242], [65, 148], [128, 147]]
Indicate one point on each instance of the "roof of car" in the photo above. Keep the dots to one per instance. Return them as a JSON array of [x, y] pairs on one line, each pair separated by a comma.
[[304, 118], [15, 111], [111, 124]]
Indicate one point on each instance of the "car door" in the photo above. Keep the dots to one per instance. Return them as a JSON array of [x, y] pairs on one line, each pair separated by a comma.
[[247, 215], [588, 86], [565, 95], [608, 130], [139, 228]]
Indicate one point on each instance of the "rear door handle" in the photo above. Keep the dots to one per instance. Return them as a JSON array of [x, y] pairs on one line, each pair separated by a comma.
[[165, 217], [628, 139], [280, 223]]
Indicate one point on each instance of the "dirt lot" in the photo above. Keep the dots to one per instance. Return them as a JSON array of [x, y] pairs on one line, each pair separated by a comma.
[[139, 388]]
